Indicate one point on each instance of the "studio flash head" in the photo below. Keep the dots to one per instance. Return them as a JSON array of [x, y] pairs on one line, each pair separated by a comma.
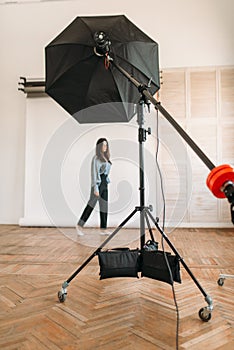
[[102, 43]]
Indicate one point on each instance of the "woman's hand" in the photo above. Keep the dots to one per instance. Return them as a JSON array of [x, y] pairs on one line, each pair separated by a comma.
[[96, 193]]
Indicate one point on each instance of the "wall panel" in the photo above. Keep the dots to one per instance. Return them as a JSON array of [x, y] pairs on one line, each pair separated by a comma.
[[202, 101]]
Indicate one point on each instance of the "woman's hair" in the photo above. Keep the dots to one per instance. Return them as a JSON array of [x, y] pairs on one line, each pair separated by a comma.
[[102, 156]]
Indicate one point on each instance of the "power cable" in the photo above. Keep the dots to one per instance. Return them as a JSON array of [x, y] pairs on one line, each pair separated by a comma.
[[163, 227]]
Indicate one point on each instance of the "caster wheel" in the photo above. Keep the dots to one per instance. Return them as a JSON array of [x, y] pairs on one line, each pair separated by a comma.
[[62, 296], [220, 282], [204, 314]]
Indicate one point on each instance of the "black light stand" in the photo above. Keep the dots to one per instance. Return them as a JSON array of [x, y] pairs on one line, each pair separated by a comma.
[[141, 139], [145, 214]]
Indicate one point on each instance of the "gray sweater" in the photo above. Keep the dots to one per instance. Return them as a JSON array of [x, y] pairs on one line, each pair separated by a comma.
[[98, 168]]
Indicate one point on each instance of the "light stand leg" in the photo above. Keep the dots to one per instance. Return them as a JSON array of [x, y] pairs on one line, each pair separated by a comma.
[[62, 294], [204, 313], [149, 227]]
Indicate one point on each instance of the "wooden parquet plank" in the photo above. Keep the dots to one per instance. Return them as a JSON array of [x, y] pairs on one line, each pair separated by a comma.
[[34, 343], [209, 339]]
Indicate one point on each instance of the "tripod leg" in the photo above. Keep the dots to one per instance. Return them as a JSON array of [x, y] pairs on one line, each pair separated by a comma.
[[204, 313], [62, 294], [149, 227]]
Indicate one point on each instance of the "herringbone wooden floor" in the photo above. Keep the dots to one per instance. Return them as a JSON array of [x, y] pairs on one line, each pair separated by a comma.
[[120, 313]]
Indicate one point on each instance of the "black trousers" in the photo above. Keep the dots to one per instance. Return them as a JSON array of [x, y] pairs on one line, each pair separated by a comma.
[[103, 204]]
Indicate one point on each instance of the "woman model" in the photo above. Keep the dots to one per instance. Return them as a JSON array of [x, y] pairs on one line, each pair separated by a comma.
[[100, 169]]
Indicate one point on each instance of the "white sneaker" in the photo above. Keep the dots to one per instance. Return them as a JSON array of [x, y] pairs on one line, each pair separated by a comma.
[[79, 230], [105, 233]]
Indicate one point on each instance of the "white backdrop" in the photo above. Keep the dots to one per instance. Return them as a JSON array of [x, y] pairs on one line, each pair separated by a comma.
[[58, 162]]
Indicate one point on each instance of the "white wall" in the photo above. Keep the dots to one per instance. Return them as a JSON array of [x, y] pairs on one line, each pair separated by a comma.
[[189, 33]]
